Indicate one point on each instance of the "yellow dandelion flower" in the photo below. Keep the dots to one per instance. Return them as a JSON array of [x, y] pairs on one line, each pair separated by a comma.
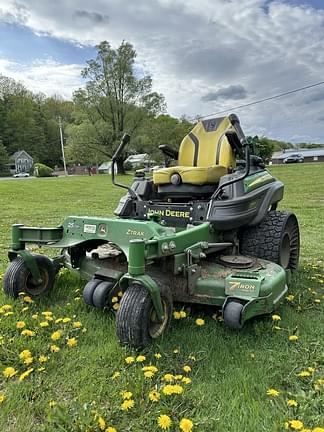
[[114, 300], [47, 313], [292, 403], [140, 358], [167, 389], [318, 429], [101, 423], [28, 299], [42, 359], [164, 421], [186, 368], [66, 320], [200, 322], [9, 372], [25, 354], [178, 377], [115, 375], [54, 348], [111, 429], [273, 392], [71, 342], [154, 396], [151, 368], [126, 394], [56, 335], [318, 301], [25, 374], [28, 333], [34, 316], [129, 360], [177, 389], [58, 320], [52, 404], [2, 398], [183, 314], [20, 324], [311, 370], [296, 424], [304, 374], [44, 324], [186, 380], [148, 374], [120, 293], [157, 355], [290, 297], [6, 307], [127, 404], [28, 360], [77, 324], [293, 338], [168, 377], [276, 318], [186, 425], [116, 306], [176, 315]]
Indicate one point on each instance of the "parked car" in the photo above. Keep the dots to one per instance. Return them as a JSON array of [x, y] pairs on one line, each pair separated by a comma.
[[294, 158], [21, 174]]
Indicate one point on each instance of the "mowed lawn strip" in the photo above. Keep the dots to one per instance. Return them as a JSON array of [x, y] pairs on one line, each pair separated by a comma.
[[230, 372]]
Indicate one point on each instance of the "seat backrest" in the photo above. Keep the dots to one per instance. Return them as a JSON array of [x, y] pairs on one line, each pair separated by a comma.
[[207, 145]]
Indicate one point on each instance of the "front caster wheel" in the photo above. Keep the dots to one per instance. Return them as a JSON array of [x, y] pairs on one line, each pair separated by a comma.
[[18, 277], [102, 295], [233, 315], [136, 321]]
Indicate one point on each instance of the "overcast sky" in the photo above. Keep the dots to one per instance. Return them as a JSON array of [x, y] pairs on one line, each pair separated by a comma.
[[203, 55]]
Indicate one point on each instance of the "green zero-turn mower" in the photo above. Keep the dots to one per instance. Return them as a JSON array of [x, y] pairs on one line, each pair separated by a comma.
[[204, 229]]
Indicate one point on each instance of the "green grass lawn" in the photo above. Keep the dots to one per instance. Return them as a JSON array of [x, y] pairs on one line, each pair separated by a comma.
[[78, 389]]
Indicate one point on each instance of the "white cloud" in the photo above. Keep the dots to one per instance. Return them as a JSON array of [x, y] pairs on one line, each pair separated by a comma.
[[46, 76], [196, 48]]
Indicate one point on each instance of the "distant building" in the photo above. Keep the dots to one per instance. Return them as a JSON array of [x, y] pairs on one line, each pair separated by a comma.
[[140, 160], [105, 168], [310, 155], [21, 162]]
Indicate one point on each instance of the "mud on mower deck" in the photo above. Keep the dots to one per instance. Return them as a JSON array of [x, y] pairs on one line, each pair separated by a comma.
[[193, 265]]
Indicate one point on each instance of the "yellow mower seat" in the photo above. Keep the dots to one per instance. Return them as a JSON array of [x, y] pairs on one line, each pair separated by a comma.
[[205, 154]]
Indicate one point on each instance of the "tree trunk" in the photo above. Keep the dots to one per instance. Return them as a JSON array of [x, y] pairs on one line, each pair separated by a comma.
[[120, 166]]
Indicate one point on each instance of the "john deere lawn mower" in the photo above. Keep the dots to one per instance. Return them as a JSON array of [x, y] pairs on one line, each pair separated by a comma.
[[204, 229]]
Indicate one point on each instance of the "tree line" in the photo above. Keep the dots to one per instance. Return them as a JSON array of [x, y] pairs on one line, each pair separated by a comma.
[[116, 97]]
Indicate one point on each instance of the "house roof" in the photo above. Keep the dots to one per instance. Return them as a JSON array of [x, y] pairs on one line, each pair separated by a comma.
[[137, 157], [19, 153], [303, 152]]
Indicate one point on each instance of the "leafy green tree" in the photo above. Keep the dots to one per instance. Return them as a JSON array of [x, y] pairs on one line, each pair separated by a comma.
[[116, 99], [4, 159]]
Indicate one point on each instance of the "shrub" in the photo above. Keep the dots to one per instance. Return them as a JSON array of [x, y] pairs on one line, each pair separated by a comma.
[[41, 170]]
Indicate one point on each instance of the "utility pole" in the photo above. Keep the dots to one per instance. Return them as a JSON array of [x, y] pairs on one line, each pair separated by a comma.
[[62, 145]]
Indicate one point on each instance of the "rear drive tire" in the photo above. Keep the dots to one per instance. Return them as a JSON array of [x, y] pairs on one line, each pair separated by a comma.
[[89, 290], [101, 295], [18, 277], [136, 321], [275, 239], [233, 315]]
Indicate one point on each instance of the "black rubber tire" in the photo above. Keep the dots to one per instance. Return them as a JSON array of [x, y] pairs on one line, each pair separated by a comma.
[[89, 290], [275, 239], [18, 277], [134, 316], [101, 295], [232, 315]]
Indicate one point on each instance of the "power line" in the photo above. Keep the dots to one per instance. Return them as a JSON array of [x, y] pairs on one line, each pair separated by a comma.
[[264, 100]]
